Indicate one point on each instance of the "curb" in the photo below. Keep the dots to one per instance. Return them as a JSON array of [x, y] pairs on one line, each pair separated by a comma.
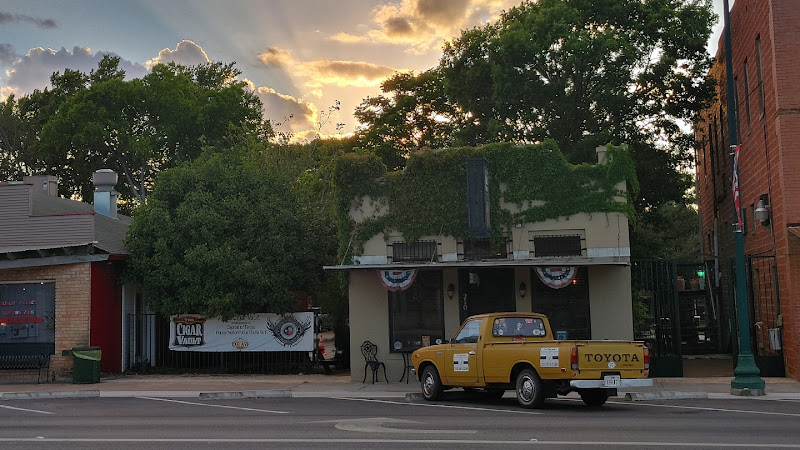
[[665, 395], [54, 394], [279, 393]]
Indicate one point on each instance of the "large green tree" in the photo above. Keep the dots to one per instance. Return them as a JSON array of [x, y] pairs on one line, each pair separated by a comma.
[[220, 236], [581, 72], [137, 127]]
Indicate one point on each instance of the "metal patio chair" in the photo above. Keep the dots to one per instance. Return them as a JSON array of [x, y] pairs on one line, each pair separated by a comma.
[[370, 352]]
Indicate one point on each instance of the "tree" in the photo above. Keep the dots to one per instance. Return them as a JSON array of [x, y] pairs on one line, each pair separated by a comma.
[[582, 73], [139, 127], [221, 237], [414, 113]]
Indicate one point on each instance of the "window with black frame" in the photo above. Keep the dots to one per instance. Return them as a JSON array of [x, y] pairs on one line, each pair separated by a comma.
[[416, 314]]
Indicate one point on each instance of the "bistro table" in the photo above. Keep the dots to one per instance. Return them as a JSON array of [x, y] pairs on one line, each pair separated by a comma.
[[406, 352]]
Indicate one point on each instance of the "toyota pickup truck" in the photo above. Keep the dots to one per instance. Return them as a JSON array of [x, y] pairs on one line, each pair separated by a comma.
[[502, 351]]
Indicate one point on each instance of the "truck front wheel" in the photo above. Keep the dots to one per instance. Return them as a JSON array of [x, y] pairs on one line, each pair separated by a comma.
[[431, 384], [594, 397], [530, 393]]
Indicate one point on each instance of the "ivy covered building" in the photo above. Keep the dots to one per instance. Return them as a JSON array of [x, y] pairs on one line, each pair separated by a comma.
[[466, 231]]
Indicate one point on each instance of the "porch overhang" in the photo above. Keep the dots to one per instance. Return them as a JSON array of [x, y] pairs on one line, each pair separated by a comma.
[[508, 263]]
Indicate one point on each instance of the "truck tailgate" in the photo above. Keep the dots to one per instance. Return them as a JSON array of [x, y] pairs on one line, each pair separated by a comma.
[[597, 357]]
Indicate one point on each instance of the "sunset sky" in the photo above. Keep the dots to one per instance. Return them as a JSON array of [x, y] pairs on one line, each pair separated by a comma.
[[301, 56]]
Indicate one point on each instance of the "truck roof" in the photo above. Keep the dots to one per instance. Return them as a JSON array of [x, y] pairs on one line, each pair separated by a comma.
[[509, 314]]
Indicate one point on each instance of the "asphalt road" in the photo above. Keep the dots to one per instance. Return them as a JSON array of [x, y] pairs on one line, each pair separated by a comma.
[[462, 420]]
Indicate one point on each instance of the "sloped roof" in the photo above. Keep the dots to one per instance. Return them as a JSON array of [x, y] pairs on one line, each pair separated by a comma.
[[109, 232]]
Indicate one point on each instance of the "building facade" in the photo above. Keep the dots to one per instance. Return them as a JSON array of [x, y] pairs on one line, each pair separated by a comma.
[[404, 294], [60, 266], [766, 66]]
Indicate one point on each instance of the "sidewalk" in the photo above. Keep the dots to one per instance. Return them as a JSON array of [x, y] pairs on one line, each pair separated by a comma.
[[235, 386]]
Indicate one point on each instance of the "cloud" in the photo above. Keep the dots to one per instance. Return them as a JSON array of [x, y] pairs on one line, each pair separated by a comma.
[[186, 53], [32, 70], [421, 25], [7, 54], [15, 18], [327, 71], [288, 114]]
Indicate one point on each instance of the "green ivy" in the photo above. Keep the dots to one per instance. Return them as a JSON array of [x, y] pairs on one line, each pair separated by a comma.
[[428, 197]]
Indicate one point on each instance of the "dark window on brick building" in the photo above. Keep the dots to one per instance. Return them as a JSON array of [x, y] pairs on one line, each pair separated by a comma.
[[760, 77], [747, 95]]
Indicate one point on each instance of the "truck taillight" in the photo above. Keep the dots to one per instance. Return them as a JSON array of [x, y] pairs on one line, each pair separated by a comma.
[[646, 358], [573, 358]]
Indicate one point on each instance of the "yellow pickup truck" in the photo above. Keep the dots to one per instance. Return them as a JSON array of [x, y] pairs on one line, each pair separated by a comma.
[[501, 351]]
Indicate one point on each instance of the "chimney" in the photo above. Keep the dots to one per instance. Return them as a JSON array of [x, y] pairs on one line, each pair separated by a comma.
[[601, 154], [43, 184], [105, 197]]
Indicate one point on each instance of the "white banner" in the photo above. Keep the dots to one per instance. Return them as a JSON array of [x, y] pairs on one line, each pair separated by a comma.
[[249, 333]]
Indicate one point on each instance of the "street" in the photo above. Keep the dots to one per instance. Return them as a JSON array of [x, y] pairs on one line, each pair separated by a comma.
[[463, 420]]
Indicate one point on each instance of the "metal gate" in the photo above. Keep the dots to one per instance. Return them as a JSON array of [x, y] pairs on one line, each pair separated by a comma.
[[656, 314], [148, 350], [764, 308]]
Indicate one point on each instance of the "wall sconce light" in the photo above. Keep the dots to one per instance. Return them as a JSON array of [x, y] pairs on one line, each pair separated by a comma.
[[523, 289], [451, 291], [762, 210]]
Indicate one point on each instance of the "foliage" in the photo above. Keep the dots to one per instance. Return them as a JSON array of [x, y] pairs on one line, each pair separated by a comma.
[[221, 237], [428, 198], [137, 127], [668, 231], [577, 72], [415, 114]]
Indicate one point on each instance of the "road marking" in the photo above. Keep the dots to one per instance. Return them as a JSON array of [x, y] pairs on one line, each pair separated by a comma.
[[213, 406], [28, 410], [433, 405], [700, 408], [492, 442], [375, 425]]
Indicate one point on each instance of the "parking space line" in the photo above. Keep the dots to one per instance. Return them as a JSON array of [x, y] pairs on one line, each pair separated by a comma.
[[27, 410], [214, 406], [434, 405], [700, 408]]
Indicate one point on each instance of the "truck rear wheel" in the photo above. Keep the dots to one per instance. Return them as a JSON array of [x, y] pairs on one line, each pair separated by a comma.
[[431, 384], [530, 393], [594, 397]]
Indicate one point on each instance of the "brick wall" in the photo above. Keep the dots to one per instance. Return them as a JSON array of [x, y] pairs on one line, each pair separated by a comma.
[[73, 300], [769, 159]]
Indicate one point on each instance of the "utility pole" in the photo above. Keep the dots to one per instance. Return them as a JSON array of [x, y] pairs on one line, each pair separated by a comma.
[[747, 380]]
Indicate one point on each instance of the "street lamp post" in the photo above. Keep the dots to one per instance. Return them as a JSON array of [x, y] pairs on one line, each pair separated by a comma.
[[747, 380]]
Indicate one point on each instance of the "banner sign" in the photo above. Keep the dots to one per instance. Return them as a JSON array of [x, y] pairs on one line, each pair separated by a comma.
[[249, 333], [556, 277], [736, 203], [397, 280]]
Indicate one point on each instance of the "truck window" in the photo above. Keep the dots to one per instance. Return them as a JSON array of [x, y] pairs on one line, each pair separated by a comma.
[[469, 333], [518, 327]]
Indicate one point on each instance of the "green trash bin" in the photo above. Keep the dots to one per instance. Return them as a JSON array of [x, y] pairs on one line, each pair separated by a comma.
[[85, 365]]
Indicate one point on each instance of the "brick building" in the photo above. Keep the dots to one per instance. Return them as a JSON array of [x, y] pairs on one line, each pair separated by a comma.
[[766, 66], [60, 265]]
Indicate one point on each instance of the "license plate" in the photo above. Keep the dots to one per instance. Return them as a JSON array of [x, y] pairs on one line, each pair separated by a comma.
[[611, 381]]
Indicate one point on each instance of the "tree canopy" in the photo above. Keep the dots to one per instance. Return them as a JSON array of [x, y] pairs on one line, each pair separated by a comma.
[[137, 127], [582, 73], [220, 236]]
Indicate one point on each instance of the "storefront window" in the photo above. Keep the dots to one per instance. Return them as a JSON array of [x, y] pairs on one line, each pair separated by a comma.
[[415, 314], [27, 318]]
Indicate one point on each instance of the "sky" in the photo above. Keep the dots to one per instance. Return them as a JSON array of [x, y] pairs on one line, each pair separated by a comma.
[[300, 56]]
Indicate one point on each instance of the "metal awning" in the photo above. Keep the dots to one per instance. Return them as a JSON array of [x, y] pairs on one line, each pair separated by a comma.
[[533, 262]]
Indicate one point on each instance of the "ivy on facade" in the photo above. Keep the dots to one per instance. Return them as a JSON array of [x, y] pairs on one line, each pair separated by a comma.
[[428, 197]]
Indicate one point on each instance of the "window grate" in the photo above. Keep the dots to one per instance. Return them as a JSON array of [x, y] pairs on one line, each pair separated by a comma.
[[414, 251], [557, 246]]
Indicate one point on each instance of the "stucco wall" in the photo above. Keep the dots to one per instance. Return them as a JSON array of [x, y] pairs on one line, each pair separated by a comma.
[[610, 303]]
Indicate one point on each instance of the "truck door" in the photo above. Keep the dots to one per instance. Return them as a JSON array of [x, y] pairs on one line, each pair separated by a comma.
[[462, 358]]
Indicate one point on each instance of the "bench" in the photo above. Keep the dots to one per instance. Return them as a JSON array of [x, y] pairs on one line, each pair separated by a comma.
[[26, 361]]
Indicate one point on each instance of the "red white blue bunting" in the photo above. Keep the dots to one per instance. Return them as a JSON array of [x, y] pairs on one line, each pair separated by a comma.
[[556, 277], [397, 280]]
